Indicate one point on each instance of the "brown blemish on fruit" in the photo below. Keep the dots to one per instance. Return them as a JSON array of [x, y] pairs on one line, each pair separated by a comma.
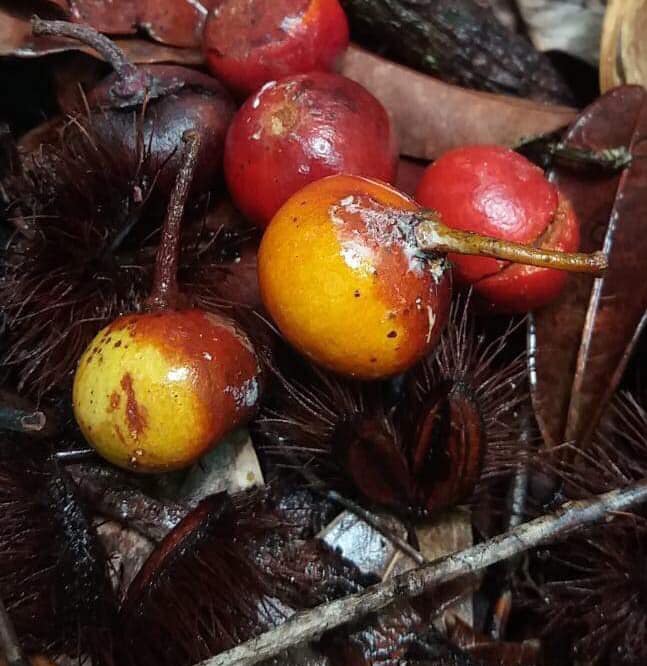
[[115, 399], [120, 435], [135, 413]]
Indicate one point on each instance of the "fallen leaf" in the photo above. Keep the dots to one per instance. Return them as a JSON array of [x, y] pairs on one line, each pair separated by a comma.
[[115, 17], [623, 53], [487, 651], [172, 22], [17, 40], [431, 116], [579, 345]]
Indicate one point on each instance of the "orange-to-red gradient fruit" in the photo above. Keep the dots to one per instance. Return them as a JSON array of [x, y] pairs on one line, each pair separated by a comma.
[[250, 42], [154, 392], [342, 276]]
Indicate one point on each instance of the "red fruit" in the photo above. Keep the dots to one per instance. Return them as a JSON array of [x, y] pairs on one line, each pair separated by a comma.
[[299, 130], [251, 42], [494, 191]]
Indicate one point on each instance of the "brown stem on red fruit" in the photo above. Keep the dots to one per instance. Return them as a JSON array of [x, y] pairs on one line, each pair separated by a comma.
[[9, 645], [433, 236], [305, 626], [165, 293], [132, 81]]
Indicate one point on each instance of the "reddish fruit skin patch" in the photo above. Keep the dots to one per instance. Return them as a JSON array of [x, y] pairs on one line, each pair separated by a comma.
[[135, 413], [494, 191], [250, 42], [300, 130]]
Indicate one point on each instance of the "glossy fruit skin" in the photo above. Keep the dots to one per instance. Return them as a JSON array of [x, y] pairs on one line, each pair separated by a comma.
[[496, 192], [187, 100], [346, 285], [250, 42], [154, 392], [299, 130]]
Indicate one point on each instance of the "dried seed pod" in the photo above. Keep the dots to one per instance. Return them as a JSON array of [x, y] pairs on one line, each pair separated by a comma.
[[463, 434], [441, 444], [229, 571], [53, 571]]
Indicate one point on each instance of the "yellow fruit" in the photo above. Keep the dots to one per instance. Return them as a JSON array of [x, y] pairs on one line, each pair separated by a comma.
[[154, 392], [341, 275]]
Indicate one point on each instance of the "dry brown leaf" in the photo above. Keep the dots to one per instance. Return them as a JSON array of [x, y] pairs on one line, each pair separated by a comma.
[[431, 116], [623, 54], [17, 40], [172, 22]]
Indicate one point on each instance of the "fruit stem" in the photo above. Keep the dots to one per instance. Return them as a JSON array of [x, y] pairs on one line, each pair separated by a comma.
[[132, 81], [433, 236], [165, 291]]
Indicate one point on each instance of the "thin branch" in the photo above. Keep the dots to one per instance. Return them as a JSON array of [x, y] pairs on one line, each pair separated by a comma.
[[9, 645], [306, 626]]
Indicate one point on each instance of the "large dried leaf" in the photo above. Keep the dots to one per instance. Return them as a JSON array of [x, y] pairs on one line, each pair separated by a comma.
[[173, 22], [16, 38], [623, 54], [432, 116], [580, 344]]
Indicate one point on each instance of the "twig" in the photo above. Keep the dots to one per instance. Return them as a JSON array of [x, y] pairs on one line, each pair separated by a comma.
[[306, 626], [9, 641]]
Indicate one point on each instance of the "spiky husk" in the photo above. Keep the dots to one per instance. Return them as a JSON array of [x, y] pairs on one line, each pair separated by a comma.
[[475, 365], [53, 570], [591, 588], [229, 571], [358, 437], [88, 255]]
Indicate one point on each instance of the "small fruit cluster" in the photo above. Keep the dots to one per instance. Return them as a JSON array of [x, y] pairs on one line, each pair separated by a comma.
[[356, 275]]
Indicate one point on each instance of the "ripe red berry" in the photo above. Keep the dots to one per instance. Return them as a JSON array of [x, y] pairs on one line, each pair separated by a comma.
[[250, 42], [299, 130], [494, 191]]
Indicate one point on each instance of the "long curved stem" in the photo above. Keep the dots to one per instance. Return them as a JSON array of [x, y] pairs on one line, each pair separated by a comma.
[[105, 47], [133, 83], [165, 290], [433, 236]]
